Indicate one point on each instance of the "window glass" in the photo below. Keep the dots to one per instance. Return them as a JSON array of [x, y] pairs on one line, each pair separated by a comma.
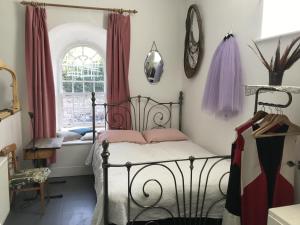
[[280, 17], [82, 73]]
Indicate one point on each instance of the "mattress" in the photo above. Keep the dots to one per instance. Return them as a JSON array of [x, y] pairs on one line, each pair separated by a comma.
[[121, 153]]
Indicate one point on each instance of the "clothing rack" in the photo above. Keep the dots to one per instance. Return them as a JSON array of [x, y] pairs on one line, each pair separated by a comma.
[[44, 4], [273, 89], [258, 89]]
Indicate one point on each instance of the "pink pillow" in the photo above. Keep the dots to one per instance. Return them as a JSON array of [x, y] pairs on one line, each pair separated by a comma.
[[165, 134], [115, 136]]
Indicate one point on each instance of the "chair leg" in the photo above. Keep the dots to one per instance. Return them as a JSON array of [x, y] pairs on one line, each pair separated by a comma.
[[42, 195], [12, 199], [10, 196], [47, 191]]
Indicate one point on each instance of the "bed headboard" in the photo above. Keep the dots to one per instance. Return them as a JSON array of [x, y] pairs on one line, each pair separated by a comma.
[[144, 113]]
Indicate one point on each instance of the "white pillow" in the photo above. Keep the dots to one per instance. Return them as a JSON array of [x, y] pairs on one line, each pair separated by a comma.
[[69, 135], [88, 136]]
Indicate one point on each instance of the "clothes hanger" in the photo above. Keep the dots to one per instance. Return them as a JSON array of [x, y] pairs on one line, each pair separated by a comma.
[[257, 116], [269, 120], [265, 122], [279, 119], [266, 125]]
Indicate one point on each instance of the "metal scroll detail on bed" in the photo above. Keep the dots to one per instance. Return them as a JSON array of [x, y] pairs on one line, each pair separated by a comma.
[[190, 200], [143, 113]]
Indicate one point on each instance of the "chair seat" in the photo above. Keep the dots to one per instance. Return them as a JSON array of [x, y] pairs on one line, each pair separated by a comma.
[[29, 176]]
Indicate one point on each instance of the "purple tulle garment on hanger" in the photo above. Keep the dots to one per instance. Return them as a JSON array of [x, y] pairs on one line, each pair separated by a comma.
[[223, 94]]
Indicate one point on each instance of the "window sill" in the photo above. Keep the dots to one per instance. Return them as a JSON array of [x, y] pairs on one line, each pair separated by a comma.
[[77, 142], [271, 38]]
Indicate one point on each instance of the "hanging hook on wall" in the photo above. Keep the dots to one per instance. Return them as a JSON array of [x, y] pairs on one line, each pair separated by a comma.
[[154, 47], [228, 35]]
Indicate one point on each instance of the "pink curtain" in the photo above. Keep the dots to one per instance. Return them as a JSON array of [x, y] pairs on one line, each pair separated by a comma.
[[117, 60], [40, 83]]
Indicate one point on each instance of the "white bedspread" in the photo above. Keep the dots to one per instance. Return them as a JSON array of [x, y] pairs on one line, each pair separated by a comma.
[[124, 152]]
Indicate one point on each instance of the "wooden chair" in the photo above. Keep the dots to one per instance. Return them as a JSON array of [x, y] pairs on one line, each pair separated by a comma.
[[24, 180]]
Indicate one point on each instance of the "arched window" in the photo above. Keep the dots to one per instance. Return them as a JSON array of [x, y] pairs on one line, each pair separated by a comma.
[[82, 72]]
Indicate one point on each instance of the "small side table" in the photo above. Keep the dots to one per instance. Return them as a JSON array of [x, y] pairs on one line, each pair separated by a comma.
[[44, 149]]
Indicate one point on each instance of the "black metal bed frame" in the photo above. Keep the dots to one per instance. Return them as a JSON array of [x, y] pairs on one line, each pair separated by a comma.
[[184, 216], [142, 108]]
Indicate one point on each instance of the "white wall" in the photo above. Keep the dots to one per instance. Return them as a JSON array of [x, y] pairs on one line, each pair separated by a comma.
[[12, 53], [11, 132], [244, 19], [157, 20]]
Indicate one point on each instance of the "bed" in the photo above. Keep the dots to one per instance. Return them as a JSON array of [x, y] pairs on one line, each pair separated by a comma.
[[170, 182]]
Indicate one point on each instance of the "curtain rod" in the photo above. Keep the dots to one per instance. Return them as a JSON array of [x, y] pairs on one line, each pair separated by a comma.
[[121, 11]]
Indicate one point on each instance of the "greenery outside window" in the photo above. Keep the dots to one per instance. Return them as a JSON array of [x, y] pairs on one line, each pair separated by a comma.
[[82, 73]]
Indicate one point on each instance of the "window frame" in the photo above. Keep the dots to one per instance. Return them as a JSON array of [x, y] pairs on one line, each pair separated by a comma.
[[59, 80]]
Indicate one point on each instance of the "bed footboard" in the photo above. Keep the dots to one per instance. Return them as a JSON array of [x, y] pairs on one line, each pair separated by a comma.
[[191, 206]]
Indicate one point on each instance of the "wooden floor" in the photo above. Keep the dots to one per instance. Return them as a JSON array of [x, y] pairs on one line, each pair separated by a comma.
[[75, 208]]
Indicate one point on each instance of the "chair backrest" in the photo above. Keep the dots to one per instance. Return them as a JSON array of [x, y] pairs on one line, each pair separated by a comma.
[[10, 152]]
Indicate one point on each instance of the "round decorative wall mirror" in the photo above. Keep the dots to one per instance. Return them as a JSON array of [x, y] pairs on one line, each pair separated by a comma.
[[194, 42], [154, 65]]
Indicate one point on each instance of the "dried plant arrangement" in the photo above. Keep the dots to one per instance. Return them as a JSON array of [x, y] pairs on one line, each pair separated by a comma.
[[277, 66]]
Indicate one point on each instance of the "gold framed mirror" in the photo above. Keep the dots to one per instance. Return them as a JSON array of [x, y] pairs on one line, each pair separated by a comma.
[[15, 107]]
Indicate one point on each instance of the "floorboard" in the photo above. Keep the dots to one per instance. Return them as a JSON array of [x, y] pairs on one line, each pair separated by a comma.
[[75, 208]]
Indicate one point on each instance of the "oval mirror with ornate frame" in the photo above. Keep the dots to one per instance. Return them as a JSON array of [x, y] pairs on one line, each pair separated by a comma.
[[154, 65], [194, 42]]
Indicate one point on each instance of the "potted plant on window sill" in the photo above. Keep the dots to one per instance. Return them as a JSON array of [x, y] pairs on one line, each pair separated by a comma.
[[282, 63]]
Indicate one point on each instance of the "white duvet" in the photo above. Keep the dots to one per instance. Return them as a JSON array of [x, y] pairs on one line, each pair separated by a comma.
[[121, 153]]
